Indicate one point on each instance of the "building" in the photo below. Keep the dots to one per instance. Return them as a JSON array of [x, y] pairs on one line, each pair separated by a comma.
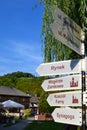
[[33, 104], [14, 94]]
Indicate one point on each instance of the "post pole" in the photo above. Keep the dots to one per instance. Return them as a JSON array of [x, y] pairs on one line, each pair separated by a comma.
[[83, 87], [83, 104]]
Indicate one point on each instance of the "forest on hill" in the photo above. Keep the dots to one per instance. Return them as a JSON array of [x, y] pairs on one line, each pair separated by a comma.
[[25, 82]]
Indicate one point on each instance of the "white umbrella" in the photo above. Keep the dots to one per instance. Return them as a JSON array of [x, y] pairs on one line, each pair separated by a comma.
[[12, 104], [1, 105]]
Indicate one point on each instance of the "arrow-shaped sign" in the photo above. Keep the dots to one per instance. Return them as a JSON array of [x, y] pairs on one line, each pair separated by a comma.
[[61, 18], [63, 83], [66, 30], [67, 116], [61, 67], [65, 99], [64, 35]]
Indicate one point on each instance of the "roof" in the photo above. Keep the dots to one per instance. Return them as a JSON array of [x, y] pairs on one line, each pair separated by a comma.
[[11, 91], [34, 99]]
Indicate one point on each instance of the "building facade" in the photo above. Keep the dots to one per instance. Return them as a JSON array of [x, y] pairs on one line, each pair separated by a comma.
[[14, 94]]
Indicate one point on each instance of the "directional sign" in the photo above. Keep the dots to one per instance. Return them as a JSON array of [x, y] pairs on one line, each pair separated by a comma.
[[65, 99], [66, 30], [63, 34], [63, 83], [61, 18], [67, 116], [61, 67]]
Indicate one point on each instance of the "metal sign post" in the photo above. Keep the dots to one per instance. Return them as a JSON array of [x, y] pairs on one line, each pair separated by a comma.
[[83, 104], [83, 87]]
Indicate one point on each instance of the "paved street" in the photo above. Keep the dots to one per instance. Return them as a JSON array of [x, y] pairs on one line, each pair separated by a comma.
[[19, 126]]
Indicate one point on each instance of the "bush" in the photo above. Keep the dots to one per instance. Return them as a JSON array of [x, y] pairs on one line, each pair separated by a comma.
[[27, 113]]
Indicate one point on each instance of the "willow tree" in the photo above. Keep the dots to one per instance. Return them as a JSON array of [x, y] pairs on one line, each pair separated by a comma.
[[54, 50]]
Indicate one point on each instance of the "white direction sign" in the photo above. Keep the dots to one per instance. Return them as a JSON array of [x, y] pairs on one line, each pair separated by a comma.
[[61, 18], [65, 99], [62, 34], [61, 67], [67, 116], [66, 30], [63, 83]]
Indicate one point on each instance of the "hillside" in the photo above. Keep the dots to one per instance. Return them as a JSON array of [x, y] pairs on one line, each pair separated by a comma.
[[28, 83], [25, 82]]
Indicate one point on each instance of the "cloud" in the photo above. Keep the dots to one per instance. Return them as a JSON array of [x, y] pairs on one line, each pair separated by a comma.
[[25, 49], [20, 56]]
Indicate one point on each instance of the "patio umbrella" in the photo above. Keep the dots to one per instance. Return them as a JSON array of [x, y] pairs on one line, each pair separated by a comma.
[[12, 104]]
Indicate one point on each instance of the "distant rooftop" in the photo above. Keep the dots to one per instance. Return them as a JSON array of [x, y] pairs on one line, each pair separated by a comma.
[[12, 91]]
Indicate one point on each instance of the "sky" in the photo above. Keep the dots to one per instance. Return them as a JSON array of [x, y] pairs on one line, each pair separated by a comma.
[[20, 36]]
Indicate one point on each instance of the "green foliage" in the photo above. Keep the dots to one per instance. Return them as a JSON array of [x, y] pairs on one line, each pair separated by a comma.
[[27, 113], [83, 11], [33, 85], [5, 81], [19, 75], [11, 79], [23, 81], [53, 50], [43, 105], [44, 125]]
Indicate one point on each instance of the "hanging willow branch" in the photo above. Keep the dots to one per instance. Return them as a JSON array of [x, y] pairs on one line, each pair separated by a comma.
[[54, 50]]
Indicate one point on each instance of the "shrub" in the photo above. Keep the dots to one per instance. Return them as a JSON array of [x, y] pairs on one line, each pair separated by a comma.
[[27, 113]]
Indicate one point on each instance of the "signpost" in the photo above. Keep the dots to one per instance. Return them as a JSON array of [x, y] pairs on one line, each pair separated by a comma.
[[65, 99], [86, 80], [61, 67], [67, 115], [66, 30], [69, 33], [71, 82]]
